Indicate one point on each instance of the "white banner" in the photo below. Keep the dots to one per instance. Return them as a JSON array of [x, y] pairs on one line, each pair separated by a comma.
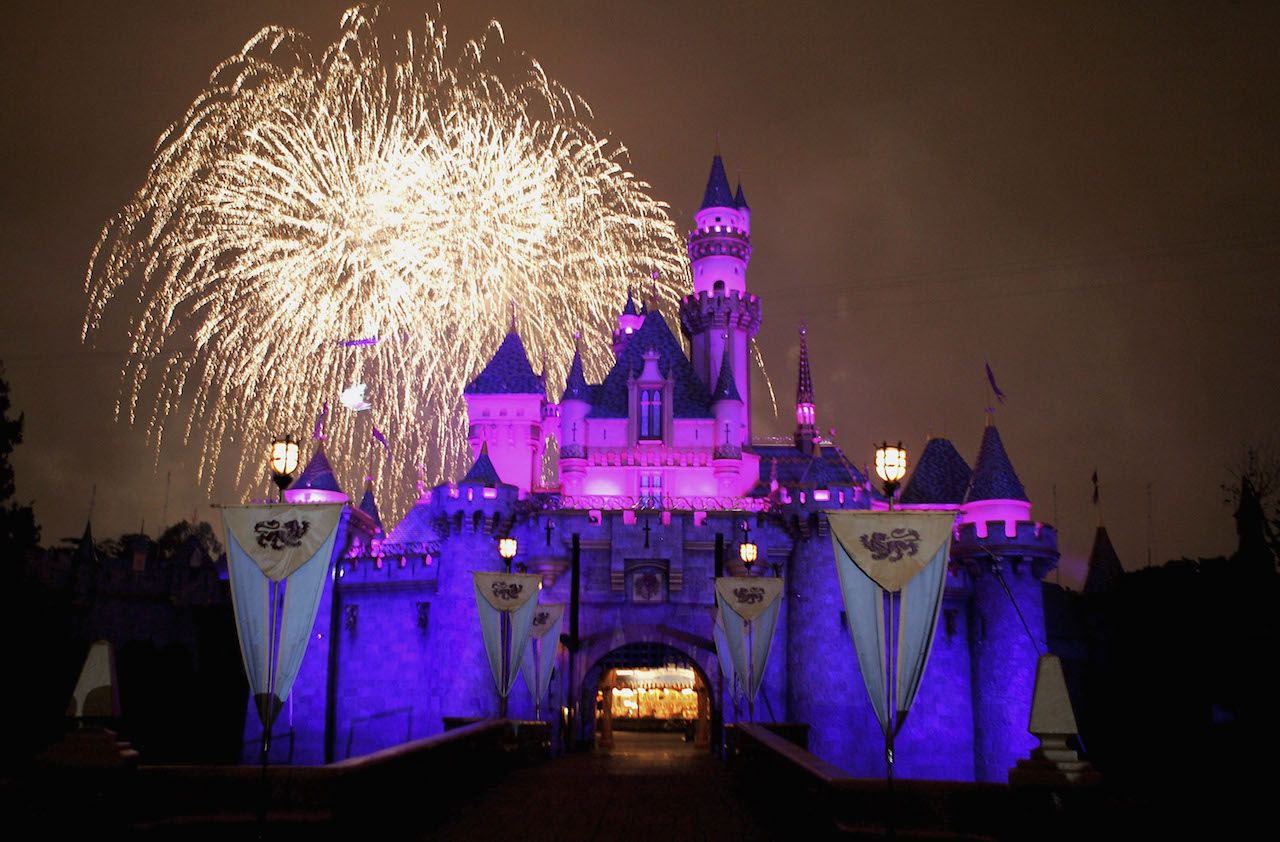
[[276, 589], [507, 603], [280, 538], [540, 656], [749, 609], [879, 554]]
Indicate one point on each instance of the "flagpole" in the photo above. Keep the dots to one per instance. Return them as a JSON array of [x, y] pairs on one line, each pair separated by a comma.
[[889, 721], [504, 621]]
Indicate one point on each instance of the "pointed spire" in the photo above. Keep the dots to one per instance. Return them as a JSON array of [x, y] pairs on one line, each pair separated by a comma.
[[482, 471], [806, 416], [575, 386], [86, 550], [993, 474], [369, 505], [740, 200], [718, 193], [1105, 569], [804, 382], [630, 308], [726, 384]]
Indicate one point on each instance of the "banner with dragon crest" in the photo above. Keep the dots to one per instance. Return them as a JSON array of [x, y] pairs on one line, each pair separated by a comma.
[[749, 609], [278, 557], [507, 603], [540, 656], [878, 555]]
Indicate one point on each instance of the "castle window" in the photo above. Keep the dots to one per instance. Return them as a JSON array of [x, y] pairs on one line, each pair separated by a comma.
[[718, 287], [650, 413], [651, 490]]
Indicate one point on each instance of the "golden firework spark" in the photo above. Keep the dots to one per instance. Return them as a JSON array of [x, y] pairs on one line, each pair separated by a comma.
[[371, 188]]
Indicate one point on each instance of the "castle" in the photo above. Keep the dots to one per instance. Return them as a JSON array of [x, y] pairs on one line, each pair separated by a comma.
[[660, 480]]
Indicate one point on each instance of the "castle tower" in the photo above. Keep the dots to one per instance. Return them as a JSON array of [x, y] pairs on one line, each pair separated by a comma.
[[1007, 555], [506, 406], [806, 434], [720, 311]]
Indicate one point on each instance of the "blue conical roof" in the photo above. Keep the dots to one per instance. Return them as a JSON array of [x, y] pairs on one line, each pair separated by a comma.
[[726, 384], [740, 200], [369, 506], [575, 386], [508, 373], [940, 476], [993, 475], [719, 194], [483, 472], [630, 308], [689, 399], [317, 475]]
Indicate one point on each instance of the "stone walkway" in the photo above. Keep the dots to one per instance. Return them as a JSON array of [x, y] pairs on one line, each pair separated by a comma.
[[649, 787]]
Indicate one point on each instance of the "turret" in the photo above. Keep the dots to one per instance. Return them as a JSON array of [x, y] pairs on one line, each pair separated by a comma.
[[506, 404], [726, 403], [316, 483], [806, 434], [574, 406], [995, 492], [720, 311], [629, 321], [1006, 555]]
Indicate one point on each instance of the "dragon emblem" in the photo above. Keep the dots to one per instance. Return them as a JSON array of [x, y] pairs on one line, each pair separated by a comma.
[[895, 545], [541, 618], [276, 535], [507, 590], [748, 596]]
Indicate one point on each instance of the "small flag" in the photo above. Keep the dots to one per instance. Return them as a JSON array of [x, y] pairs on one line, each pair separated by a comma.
[[991, 378], [1095, 487], [382, 440]]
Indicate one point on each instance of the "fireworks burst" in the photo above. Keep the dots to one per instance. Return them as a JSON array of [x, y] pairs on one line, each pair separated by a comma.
[[369, 188]]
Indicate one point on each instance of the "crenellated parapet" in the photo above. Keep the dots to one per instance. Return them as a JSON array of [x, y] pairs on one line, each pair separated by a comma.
[[466, 508], [1029, 545], [720, 240], [720, 310]]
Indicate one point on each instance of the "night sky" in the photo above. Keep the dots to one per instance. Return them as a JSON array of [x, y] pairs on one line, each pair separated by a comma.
[[1086, 195]]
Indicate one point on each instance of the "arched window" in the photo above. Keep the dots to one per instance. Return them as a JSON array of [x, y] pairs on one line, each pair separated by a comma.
[[650, 413]]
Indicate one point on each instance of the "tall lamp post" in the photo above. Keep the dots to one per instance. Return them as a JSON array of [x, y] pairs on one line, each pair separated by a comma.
[[891, 467], [507, 549], [284, 461]]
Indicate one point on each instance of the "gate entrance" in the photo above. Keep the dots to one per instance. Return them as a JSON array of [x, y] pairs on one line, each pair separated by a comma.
[[647, 688]]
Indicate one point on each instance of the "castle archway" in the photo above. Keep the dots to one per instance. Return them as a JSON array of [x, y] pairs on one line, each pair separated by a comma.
[[648, 687]]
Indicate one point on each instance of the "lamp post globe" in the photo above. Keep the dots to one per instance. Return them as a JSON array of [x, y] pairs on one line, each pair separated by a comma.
[[284, 461], [507, 549], [891, 467]]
